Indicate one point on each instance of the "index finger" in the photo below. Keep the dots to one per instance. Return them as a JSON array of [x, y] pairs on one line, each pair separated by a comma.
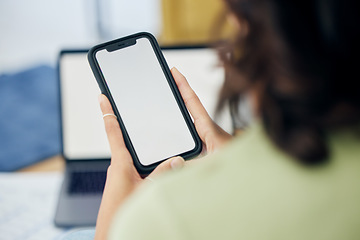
[[191, 100]]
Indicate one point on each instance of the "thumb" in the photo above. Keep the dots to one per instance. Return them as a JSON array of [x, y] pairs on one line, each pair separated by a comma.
[[170, 164]]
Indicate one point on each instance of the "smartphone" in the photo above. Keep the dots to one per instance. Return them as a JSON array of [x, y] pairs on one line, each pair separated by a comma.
[[133, 74]]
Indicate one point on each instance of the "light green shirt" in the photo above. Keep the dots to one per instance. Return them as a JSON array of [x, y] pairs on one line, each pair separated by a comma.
[[250, 190]]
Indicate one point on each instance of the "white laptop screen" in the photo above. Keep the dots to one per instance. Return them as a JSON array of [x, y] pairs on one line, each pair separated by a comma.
[[82, 126]]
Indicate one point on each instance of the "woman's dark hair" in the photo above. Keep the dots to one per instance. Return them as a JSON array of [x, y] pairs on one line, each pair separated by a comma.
[[301, 58]]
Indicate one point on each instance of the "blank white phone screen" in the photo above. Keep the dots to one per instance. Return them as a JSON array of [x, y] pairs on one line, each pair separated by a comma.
[[145, 102]]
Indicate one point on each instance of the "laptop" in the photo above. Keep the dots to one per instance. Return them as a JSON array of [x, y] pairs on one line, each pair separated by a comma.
[[83, 138], [83, 142]]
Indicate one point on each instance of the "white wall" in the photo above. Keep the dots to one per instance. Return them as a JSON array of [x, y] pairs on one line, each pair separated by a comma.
[[34, 31]]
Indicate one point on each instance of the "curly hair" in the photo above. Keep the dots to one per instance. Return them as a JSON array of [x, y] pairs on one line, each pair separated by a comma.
[[300, 59]]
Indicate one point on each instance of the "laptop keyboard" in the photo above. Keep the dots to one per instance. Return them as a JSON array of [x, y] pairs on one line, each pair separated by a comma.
[[87, 182]]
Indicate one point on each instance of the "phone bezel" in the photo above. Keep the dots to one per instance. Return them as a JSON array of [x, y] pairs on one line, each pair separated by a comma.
[[124, 42]]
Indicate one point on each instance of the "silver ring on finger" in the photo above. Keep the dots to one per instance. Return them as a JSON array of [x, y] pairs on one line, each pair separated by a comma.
[[109, 114]]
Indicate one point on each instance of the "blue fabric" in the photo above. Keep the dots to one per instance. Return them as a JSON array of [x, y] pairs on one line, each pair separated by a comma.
[[80, 234], [29, 117]]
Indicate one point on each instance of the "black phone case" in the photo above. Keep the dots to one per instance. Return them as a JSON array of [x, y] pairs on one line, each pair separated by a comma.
[[122, 43]]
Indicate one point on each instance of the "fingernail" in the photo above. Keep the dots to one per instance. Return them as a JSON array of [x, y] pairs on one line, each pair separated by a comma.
[[100, 98], [177, 163], [174, 69]]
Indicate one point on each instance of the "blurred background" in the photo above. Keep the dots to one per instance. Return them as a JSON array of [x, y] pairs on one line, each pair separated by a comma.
[[34, 31]]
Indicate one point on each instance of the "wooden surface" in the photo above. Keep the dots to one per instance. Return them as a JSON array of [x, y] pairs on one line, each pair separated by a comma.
[[53, 164]]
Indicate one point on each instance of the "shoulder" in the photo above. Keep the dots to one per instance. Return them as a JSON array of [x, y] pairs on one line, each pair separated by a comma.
[[248, 189], [146, 215], [180, 200]]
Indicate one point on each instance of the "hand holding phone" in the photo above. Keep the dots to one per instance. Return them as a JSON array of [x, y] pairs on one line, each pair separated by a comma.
[[123, 178], [155, 123]]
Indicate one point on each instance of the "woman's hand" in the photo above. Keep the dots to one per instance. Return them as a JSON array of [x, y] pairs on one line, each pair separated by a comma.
[[122, 178], [212, 136]]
